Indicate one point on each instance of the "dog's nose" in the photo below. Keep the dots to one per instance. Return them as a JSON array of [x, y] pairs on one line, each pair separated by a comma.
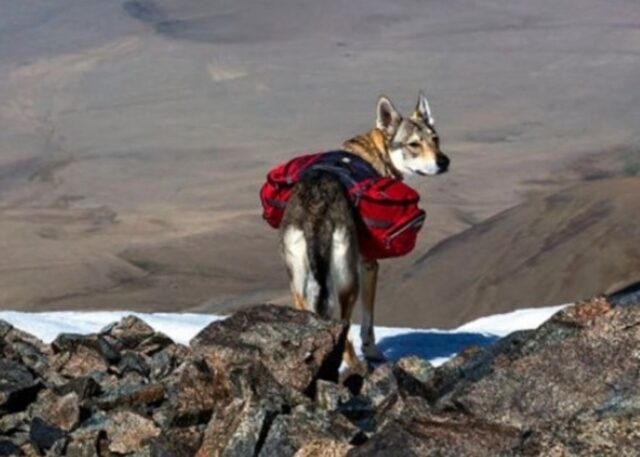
[[443, 163]]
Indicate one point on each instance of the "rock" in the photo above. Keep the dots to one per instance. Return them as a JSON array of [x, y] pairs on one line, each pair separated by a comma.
[[248, 399], [154, 343], [21, 438], [440, 435], [129, 333], [289, 433], [468, 366], [44, 435], [237, 429], [412, 375], [69, 342], [5, 328], [87, 443], [586, 435], [126, 431], [361, 412], [63, 412], [133, 377], [166, 360], [382, 392], [10, 423], [160, 365], [177, 442], [297, 347], [191, 392], [83, 361], [84, 387], [10, 335], [585, 358], [324, 448], [131, 395], [107, 382], [29, 354], [381, 387], [133, 362], [7, 448], [29, 450], [18, 387], [330, 396]]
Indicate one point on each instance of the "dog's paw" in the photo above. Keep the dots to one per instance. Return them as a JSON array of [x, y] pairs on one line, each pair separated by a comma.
[[373, 355]]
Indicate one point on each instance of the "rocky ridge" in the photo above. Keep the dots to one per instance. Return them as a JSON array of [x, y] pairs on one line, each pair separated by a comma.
[[266, 382]]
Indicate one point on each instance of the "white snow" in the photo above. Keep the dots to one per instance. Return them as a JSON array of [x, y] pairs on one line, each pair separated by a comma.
[[46, 326], [435, 345], [503, 324]]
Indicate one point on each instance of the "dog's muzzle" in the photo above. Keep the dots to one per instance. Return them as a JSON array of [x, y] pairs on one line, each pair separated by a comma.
[[443, 163]]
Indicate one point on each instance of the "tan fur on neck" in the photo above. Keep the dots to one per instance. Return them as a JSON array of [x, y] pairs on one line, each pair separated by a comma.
[[373, 147]]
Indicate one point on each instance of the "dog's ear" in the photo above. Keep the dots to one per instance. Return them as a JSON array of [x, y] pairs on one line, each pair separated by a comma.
[[388, 118], [422, 110]]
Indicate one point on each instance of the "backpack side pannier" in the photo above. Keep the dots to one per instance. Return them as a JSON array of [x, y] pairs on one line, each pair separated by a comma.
[[391, 218]]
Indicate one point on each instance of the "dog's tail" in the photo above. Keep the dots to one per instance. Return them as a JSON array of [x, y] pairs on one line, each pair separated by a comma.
[[325, 207]]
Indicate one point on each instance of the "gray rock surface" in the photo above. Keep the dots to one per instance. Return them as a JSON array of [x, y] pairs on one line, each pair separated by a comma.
[[263, 383], [296, 347]]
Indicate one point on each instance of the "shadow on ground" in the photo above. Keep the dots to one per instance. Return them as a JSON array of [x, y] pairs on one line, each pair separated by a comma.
[[431, 345]]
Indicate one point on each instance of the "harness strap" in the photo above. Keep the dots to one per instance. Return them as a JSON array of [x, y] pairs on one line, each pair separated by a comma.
[[349, 168]]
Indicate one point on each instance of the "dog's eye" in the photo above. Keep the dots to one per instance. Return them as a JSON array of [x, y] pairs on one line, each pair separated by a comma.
[[414, 144]]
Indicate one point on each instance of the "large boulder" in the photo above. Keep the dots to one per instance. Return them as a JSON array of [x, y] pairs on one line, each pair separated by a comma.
[[289, 433], [440, 435], [608, 434], [265, 359], [18, 387], [238, 428], [297, 347], [585, 358]]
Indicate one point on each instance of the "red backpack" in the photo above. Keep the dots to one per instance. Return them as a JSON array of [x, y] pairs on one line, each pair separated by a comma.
[[275, 193], [389, 215]]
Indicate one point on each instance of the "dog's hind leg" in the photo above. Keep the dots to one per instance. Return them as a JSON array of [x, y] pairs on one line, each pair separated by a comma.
[[298, 299], [294, 250], [369, 282], [347, 301], [345, 281]]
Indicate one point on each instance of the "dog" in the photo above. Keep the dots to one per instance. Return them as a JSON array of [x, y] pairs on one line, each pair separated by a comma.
[[319, 230]]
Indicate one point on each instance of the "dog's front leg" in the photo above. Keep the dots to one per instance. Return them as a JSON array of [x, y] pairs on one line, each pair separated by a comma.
[[368, 297]]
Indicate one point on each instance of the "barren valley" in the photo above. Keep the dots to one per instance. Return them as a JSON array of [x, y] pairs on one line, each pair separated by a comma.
[[135, 136]]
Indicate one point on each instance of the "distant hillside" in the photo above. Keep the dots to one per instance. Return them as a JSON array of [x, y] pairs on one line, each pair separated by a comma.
[[132, 147], [551, 249]]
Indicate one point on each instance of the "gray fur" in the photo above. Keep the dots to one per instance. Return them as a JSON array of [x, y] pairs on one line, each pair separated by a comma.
[[319, 207]]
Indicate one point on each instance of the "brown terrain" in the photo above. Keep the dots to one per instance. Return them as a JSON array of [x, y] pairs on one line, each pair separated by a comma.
[[557, 248], [135, 136]]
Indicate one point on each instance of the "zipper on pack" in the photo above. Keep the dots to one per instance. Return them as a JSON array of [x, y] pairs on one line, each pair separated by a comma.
[[416, 221]]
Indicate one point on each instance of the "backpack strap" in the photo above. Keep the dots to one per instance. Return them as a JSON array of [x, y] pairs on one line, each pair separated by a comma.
[[295, 168], [349, 168]]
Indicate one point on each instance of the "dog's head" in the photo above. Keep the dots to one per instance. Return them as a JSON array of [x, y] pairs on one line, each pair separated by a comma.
[[413, 143]]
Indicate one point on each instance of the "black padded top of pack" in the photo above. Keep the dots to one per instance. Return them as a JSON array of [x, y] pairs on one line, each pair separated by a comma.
[[349, 168]]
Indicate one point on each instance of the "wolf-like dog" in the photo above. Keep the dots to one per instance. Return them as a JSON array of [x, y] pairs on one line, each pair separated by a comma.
[[319, 230]]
